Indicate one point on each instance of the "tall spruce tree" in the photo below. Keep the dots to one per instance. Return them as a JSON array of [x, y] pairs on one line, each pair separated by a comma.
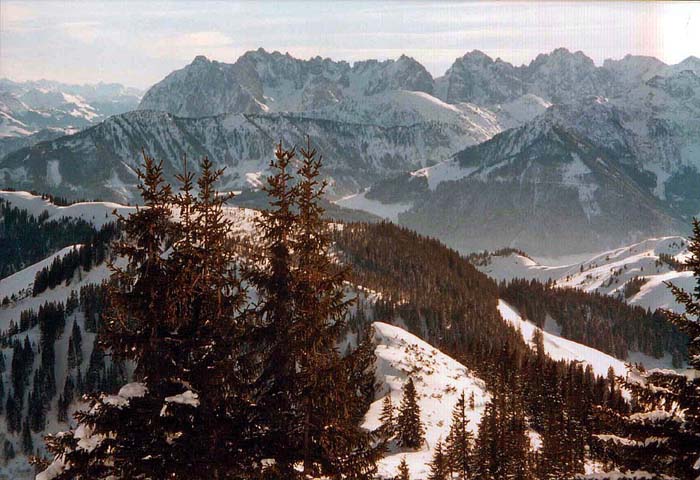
[[309, 390], [459, 442], [269, 271], [175, 311], [662, 433], [387, 417], [502, 445], [333, 442], [409, 427]]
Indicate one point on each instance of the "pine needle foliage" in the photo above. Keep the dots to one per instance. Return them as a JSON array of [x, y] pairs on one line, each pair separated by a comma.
[[409, 428], [403, 471], [309, 392], [177, 311], [459, 442]]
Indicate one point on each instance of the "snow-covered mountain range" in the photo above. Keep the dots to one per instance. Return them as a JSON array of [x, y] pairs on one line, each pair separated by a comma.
[[100, 161], [42, 110], [488, 155], [271, 82], [589, 174]]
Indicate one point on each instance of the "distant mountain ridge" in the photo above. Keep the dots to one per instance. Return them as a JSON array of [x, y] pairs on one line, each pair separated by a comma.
[[271, 82], [539, 187], [261, 81], [44, 109], [648, 143], [617, 144], [100, 162]]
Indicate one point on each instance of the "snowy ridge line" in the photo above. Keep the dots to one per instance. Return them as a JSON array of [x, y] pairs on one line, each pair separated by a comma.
[[19, 284], [608, 272], [562, 349], [96, 213], [101, 213], [439, 381]]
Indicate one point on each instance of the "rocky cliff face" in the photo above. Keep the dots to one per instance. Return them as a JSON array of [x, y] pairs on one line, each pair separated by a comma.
[[272, 82]]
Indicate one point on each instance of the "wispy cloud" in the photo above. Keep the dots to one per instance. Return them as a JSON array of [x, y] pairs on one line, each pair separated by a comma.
[[139, 42], [187, 45], [85, 32]]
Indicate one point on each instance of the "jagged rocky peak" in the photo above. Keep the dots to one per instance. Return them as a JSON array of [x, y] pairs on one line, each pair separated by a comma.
[[200, 59], [204, 88], [691, 63], [477, 57], [263, 81], [562, 57], [405, 73], [557, 76], [634, 68], [477, 78], [563, 76]]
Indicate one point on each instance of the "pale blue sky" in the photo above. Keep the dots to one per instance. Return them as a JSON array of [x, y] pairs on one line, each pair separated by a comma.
[[137, 43]]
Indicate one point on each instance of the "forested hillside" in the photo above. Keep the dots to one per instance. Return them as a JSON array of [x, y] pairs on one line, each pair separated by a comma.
[[415, 282], [603, 322]]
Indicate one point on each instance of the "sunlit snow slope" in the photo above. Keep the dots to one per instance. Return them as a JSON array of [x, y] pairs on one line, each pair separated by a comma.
[[562, 349], [608, 272], [439, 380]]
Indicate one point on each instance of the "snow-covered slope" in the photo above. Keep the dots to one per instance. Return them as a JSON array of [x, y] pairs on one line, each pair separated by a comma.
[[562, 349], [96, 213], [404, 107], [439, 381], [609, 272], [19, 284], [100, 213]]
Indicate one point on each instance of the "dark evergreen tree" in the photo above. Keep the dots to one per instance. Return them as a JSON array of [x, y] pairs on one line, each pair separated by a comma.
[[403, 472], [502, 445], [409, 427], [8, 451], [178, 317], [387, 417], [75, 345], [310, 397], [27, 441], [459, 442], [273, 284], [439, 466]]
